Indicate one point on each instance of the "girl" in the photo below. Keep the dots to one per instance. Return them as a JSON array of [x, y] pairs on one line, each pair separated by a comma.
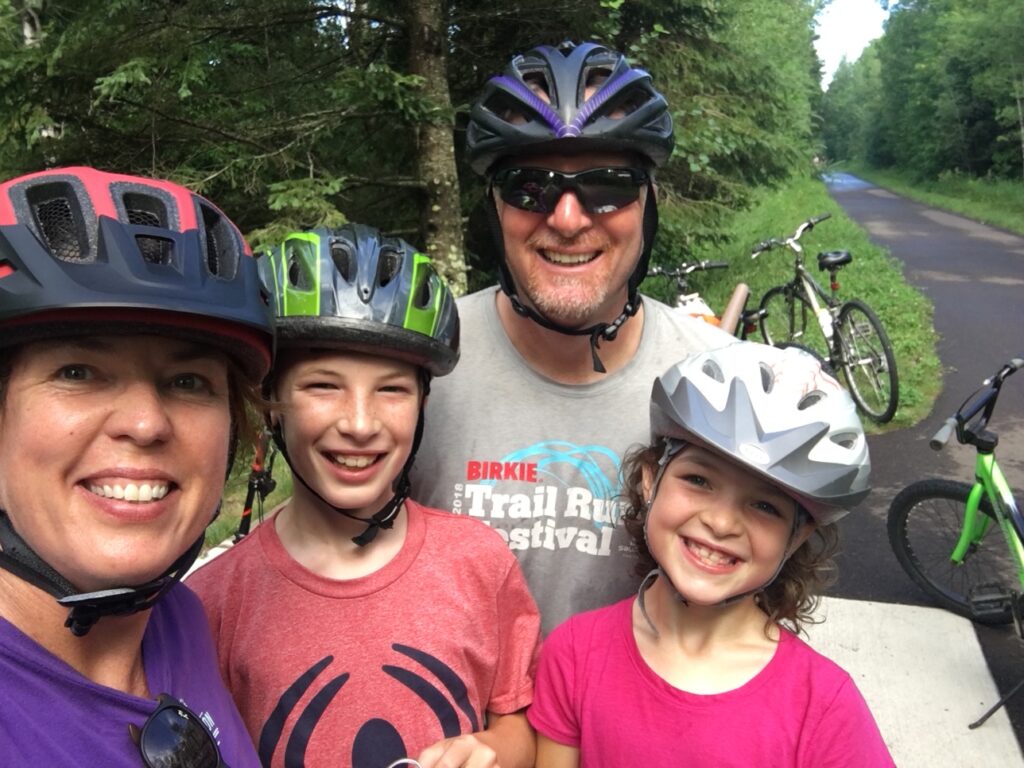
[[755, 454]]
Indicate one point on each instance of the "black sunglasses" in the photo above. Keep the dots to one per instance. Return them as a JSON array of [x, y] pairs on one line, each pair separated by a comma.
[[599, 190], [175, 737]]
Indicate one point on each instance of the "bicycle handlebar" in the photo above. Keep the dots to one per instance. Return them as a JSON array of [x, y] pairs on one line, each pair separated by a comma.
[[767, 245], [686, 267], [981, 401], [940, 438]]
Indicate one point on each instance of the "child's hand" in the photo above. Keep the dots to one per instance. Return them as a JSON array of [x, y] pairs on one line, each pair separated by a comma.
[[466, 751]]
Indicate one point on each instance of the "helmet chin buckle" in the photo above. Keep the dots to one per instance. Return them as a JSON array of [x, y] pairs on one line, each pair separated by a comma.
[[90, 607]]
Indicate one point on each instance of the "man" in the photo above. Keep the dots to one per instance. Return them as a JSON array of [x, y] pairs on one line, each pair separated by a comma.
[[558, 364]]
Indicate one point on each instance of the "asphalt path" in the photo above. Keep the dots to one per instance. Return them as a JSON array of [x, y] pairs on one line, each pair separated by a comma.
[[974, 275]]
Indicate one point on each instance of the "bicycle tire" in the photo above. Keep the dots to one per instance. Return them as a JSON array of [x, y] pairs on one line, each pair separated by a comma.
[[924, 525], [789, 319], [868, 363]]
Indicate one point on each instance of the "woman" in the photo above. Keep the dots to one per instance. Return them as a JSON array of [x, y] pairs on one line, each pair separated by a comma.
[[133, 329]]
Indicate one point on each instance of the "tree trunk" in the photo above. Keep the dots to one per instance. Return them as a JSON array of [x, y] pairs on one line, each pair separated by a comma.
[[440, 212]]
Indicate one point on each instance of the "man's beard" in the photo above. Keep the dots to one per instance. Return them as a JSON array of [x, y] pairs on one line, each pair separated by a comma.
[[571, 302]]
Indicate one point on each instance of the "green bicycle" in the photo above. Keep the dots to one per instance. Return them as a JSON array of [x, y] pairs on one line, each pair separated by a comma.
[[942, 530]]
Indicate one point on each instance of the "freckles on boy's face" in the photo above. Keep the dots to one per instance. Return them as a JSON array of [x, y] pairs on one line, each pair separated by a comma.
[[717, 528], [349, 420]]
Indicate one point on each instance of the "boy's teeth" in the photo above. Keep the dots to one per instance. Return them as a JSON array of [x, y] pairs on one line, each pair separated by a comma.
[[353, 462], [131, 491]]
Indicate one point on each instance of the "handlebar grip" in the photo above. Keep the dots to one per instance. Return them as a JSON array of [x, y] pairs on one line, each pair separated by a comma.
[[764, 245], [819, 219], [941, 437], [714, 264]]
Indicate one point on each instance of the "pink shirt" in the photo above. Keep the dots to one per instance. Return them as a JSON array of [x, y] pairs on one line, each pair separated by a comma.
[[595, 692]]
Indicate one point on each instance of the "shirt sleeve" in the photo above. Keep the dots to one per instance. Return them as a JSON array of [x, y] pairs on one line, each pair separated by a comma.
[[553, 712], [519, 643], [847, 735]]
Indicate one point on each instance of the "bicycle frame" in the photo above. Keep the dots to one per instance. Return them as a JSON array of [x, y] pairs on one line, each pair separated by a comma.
[[991, 483]]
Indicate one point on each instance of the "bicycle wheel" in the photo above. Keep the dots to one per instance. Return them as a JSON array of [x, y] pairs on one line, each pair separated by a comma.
[[925, 520], [867, 361], [789, 319]]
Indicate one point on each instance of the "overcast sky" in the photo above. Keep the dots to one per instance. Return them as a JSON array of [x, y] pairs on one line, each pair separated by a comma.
[[845, 27]]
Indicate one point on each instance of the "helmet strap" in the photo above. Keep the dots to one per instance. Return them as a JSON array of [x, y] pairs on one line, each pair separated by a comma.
[[86, 608], [599, 331]]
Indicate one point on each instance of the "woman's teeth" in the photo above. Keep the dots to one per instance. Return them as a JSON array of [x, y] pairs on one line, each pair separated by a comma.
[[131, 491]]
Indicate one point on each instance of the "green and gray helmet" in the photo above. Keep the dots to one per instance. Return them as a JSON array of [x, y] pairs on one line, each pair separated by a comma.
[[353, 288]]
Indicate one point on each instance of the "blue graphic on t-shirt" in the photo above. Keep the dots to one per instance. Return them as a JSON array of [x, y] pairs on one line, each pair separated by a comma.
[[598, 465]]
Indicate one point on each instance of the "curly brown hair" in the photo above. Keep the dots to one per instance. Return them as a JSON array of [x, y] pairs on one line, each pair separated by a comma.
[[791, 599]]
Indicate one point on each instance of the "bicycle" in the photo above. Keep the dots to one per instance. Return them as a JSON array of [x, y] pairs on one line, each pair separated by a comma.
[[846, 334], [260, 485], [735, 318], [940, 530]]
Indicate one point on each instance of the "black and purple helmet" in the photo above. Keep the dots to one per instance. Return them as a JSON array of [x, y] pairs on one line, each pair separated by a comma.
[[623, 114]]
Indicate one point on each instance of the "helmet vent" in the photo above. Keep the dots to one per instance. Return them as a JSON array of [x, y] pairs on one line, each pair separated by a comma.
[[145, 210], [713, 370], [220, 242], [388, 266], [421, 299], [155, 250], [298, 277], [846, 440], [767, 378], [59, 220], [811, 398], [341, 255]]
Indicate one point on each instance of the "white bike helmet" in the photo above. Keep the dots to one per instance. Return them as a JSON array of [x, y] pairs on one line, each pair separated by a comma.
[[775, 411]]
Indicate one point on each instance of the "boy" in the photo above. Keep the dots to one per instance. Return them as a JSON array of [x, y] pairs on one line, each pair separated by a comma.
[[357, 627]]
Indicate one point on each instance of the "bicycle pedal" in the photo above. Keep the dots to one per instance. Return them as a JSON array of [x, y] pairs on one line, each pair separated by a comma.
[[990, 600]]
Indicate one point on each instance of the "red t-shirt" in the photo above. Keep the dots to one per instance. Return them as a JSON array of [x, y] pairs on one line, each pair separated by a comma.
[[364, 671]]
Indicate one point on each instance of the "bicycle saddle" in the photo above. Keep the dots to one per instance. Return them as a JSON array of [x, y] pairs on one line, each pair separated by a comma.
[[833, 259]]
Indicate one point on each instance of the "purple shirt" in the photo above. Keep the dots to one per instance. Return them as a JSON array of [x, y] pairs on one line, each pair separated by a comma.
[[51, 715]]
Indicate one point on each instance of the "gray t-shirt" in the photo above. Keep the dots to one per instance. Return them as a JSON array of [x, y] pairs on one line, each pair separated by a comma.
[[539, 461]]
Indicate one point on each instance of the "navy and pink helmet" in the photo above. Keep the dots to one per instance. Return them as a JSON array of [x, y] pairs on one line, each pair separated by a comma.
[[84, 252]]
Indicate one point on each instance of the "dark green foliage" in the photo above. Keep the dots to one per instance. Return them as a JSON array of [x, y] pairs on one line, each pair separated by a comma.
[[292, 113], [942, 91]]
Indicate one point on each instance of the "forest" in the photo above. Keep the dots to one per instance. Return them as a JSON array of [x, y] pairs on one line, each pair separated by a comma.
[[297, 113], [940, 93]]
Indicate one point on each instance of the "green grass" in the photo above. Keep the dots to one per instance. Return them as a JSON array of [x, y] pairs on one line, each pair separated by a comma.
[[998, 202], [874, 277], [233, 501]]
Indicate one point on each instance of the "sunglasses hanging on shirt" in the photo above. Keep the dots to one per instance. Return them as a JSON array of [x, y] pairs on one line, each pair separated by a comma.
[[174, 737]]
